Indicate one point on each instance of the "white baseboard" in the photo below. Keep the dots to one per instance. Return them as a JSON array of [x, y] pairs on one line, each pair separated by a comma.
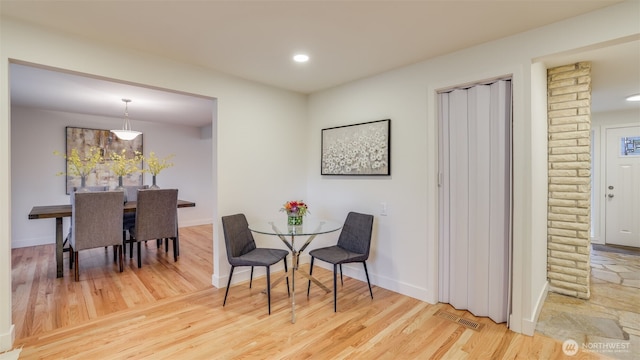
[[529, 325], [7, 338], [11, 355], [216, 281], [44, 240], [356, 271], [403, 288]]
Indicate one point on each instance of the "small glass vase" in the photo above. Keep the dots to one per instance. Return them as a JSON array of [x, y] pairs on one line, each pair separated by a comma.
[[153, 185], [294, 219], [120, 187], [83, 184]]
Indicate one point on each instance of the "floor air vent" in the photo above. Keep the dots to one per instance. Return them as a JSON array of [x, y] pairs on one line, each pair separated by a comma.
[[470, 324]]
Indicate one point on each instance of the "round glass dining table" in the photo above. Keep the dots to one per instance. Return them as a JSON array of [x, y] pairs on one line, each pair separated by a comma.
[[310, 227]]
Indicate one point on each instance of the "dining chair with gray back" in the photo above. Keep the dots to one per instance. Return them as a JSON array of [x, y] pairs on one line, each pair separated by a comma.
[[96, 221], [242, 251], [156, 218], [75, 188], [353, 246], [131, 194]]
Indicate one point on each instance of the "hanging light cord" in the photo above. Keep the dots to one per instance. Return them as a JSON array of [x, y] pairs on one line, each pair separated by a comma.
[[126, 124]]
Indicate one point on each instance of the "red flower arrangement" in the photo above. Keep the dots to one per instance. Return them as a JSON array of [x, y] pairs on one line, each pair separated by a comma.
[[295, 207]]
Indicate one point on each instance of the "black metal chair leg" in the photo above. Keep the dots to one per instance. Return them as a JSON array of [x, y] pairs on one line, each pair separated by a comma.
[[139, 256], [228, 285], [251, 278], [310, 273], [268, 288], [367, 274], [335, 289], [341, 280]]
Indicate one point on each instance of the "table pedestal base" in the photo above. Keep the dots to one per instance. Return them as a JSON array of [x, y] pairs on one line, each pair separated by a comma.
[[316, 228], [294, 267]]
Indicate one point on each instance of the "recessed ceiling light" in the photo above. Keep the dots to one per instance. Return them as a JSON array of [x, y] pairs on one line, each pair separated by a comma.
[[301, 58], [635, 97]]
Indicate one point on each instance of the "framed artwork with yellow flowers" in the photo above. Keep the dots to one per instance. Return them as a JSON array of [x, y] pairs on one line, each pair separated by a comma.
[[97, 157]]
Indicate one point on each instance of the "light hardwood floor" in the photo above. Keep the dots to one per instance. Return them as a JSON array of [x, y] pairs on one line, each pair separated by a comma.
[[169, 310]]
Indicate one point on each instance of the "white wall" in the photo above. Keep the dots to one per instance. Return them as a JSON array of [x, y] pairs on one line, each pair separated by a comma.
[[254, 165], [609, 118], [35, 134], [404, 255]]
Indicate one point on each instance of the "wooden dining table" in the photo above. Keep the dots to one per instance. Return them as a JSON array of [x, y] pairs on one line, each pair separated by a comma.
[[61, 211]]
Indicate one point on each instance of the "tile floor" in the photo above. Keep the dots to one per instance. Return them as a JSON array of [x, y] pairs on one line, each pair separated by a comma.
[[609, 322]]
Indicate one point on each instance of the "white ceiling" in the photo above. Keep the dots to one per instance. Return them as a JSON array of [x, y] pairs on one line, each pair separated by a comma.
[[62, 91], [255, 40]]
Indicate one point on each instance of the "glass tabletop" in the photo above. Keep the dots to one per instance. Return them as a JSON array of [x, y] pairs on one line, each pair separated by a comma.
[[310, 226]]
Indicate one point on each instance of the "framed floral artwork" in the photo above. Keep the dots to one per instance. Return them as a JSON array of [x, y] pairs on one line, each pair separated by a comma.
[[358, 149], [81, 142]]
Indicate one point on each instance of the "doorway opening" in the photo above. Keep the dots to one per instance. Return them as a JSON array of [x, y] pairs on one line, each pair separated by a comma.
[[64, 89]]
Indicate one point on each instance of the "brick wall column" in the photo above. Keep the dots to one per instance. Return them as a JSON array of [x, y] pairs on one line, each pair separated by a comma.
[[569, 219]]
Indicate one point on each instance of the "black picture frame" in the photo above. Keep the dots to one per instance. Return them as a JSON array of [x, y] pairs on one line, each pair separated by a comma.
[[362, 149]]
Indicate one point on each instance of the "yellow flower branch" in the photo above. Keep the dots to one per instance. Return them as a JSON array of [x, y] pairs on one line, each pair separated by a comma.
[[77, 166], [155, 165], [123, 166]]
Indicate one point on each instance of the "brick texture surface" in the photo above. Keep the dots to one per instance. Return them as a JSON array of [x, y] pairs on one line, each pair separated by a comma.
[[568, 220]]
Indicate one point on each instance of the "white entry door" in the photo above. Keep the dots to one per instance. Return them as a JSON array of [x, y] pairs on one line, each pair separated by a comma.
[[622, 186]]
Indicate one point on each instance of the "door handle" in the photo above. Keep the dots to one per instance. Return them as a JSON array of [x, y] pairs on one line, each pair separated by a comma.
[[610, 196]]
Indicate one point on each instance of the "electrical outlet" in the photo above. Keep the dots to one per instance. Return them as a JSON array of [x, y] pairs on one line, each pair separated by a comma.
[[383, 208]]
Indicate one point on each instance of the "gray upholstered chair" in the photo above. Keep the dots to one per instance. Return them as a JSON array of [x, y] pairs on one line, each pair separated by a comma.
[[75, 188], [156, 218], [242, 251], [353, 246], [96, 221], [131, 194]]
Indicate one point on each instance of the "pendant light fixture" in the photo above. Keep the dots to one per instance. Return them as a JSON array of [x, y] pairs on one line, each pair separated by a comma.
[[635, 97], [126, 133]]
